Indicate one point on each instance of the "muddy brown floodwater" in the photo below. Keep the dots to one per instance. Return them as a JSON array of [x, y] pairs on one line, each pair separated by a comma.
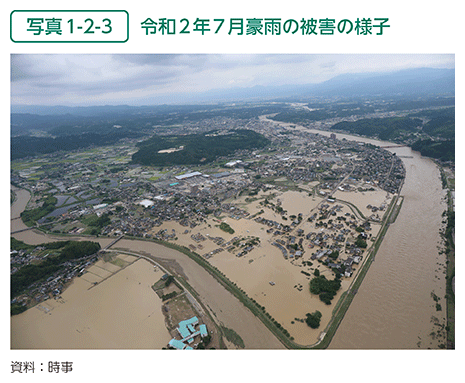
[[226, 308], [393, 308]]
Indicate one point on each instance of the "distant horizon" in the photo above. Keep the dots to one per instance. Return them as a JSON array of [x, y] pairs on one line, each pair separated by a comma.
[[149, 80]]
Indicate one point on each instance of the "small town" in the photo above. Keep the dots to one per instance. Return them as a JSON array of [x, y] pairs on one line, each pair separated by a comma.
[[99, 192]]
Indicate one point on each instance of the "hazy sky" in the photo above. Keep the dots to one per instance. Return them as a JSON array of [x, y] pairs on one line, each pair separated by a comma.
[[93, 79]]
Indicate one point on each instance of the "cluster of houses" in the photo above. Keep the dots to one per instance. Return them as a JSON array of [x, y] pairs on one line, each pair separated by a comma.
[[54, 284]]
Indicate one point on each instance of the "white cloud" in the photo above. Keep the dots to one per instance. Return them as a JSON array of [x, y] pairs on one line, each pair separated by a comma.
[[117, 79]]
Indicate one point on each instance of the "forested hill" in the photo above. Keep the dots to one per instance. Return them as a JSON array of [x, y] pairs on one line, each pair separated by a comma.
[[441, 150], [24, 146], [383, 128], [196, 148], [435, 138]]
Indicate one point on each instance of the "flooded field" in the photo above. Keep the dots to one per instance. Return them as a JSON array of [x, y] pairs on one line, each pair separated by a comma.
[[106, 308], [226, 308]]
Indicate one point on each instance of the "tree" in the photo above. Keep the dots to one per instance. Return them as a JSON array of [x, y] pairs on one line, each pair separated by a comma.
[[313, 320], [225, 227], [169, 280], [325, 288], [360, 242]]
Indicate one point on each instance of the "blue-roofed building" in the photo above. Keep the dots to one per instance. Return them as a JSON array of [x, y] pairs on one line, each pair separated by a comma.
[[188, 332], [183, 331], [192, 321], [177, 344], [186, 327], [203, 330]]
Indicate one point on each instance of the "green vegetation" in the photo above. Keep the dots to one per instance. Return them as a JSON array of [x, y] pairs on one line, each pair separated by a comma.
[[360, 242], [205, 341], [16, 308], [449, 250], [313, 320], [225, 227], [396, 210], [441, 127], [334, 255], [30, 217], [384, 128], [441, 150], [165, 297], [441, 122], [26, 146], [197, 148], [78, 249], [32, 273], [19, 245], [232, 336], [324, 288], [169, 280], [96, 223], [301, 116]]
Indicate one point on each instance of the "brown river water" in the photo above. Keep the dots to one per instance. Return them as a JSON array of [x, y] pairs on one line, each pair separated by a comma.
[[393, 308]]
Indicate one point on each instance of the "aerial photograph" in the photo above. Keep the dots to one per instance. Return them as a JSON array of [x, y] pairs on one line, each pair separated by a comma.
[[232, 201]]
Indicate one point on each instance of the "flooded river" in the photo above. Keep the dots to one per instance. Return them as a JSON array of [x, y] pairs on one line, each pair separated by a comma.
[[393, 308]]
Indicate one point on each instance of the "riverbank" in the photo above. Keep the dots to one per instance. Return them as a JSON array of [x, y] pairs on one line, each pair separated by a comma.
[[448, 183]]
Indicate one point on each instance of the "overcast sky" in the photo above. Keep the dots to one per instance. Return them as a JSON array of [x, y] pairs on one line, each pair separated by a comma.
[[132, 79]]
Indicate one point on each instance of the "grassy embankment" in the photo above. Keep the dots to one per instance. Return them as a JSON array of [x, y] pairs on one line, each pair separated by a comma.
[[449, 250]]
